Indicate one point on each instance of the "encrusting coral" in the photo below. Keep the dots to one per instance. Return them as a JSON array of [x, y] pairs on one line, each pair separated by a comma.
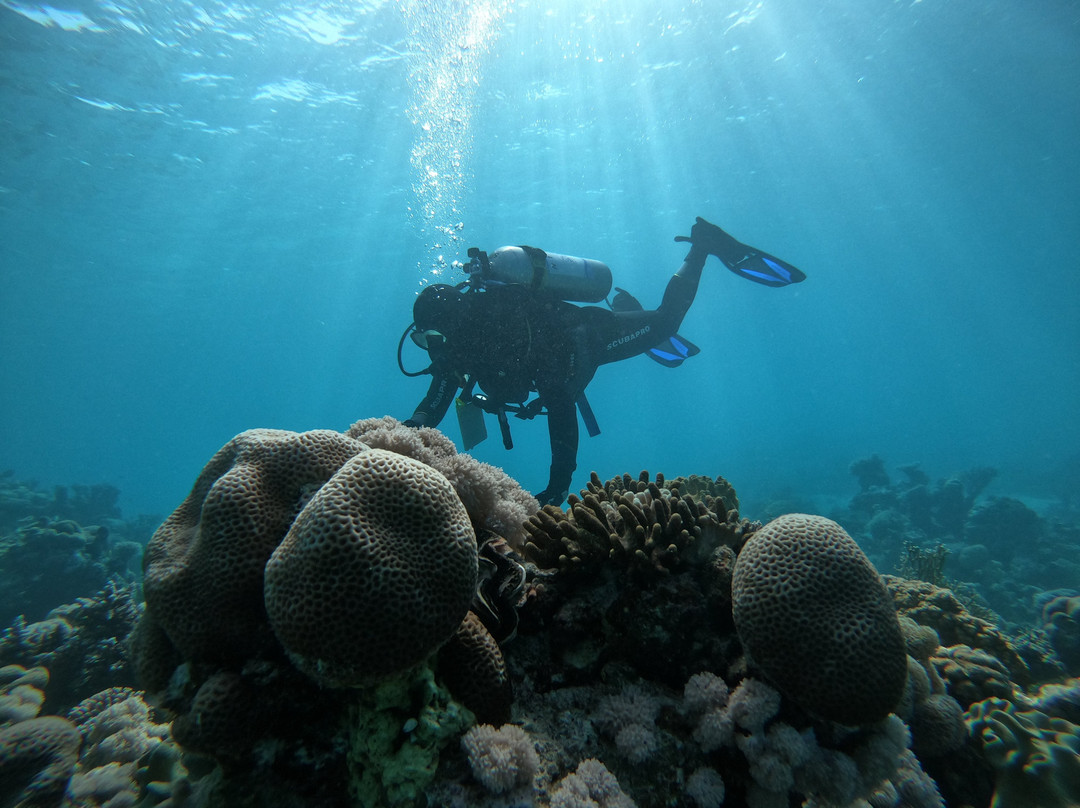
[[1037, 757], [816, 617], [939, 608]]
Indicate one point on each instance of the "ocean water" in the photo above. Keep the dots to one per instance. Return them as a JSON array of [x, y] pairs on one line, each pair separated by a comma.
[[215, 216]]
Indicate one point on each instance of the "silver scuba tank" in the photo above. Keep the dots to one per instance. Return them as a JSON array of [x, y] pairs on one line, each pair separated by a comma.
[[566, 277]]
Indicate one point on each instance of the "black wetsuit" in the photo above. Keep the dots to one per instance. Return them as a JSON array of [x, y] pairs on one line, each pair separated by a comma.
[[514, 341]]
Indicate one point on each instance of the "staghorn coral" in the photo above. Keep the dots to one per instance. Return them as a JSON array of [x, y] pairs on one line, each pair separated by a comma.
[[502, 759], [206, 561], [494, 500], [37, 757], [392, 547], [816, 617], [650, 526], [1037, 757]]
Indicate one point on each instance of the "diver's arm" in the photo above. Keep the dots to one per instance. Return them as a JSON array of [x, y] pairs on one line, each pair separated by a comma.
[[563, 431], [431, 410]]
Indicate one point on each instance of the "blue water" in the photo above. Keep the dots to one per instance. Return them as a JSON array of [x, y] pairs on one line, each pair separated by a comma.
[[215, 216]]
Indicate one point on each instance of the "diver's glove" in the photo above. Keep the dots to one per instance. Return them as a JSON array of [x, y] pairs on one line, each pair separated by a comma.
[[706, 237]]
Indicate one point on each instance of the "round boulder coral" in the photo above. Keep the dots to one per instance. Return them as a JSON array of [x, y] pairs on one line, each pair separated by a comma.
[[204, 565], [818, 620], [376, 572]]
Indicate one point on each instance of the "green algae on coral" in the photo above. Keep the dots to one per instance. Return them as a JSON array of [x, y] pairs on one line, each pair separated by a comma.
[[396, 730]]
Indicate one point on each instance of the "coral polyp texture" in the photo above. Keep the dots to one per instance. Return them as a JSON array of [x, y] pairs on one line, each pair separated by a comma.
[[204, 566], [376, 573], [817, 618]]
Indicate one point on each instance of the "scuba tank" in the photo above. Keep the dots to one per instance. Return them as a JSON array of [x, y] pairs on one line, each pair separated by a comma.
[[563, 276]]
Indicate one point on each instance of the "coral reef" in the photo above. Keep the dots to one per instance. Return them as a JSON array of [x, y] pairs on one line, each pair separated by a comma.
[[645, 646], [816, 617], [81, 643], [995, 553], [50, 561], [85, 504]]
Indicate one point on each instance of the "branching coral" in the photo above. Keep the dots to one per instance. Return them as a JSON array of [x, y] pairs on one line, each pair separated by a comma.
[[653, 527]]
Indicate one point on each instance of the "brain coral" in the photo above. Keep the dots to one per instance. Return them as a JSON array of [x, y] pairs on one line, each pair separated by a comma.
[[816, 617], [376, 572], [206, 561]]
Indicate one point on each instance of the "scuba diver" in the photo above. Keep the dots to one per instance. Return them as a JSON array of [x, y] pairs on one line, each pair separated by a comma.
[[509, 331]]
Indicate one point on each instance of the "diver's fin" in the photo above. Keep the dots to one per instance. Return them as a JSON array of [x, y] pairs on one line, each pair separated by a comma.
[[760, 267], [672, 351]]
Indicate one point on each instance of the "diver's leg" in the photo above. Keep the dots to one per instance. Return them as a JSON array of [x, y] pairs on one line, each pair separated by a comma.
[[620, 335]]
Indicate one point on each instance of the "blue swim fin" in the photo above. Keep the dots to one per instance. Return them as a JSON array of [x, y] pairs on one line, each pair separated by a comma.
[[763, 268], [668, 352], [671, 352]]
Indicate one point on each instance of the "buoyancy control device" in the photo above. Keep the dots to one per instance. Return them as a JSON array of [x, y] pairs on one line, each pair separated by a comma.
[[566, 277], [581, 280]]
